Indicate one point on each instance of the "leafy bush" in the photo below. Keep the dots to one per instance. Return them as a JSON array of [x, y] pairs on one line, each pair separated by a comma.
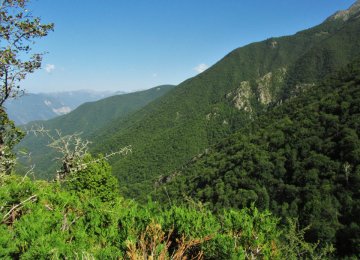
[[47, 220]]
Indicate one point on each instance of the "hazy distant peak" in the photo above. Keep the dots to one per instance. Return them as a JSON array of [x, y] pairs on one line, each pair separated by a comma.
[[43, 106], [62, 110], [347, 14]]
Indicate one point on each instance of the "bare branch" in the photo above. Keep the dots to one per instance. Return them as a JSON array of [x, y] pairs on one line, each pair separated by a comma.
[[72, 150], [7, 215]]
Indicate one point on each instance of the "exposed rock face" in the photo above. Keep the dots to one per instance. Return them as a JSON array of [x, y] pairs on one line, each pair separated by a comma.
[[267, 89], [264, 82], [322, 33], [299, 88], [241, 96], [211, 116], [267, 85], [178, 115], [345, 15], [273, 44]]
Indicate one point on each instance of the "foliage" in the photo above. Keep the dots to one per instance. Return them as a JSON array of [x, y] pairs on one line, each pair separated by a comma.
[[9, 137], [18, 30], [86, 119], [199, 112], [96, 179], [297, 248], [301, 160], [79, 171], [44, 220], [295, 154]]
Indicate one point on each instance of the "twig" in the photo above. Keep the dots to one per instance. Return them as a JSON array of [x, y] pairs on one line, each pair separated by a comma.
[[17, 206], [30, 171]]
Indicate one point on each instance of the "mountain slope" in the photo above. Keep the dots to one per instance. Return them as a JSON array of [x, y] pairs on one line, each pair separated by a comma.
[[86, 119], [206, 108], [44, 106], [301, 159]]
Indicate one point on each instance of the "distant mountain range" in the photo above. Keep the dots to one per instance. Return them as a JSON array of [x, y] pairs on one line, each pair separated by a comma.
[[86, 119], [203, 110], [196, 114], [274, 123], [44, 106]]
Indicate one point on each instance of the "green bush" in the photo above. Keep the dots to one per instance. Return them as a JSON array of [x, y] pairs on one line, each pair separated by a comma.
[[48, 220]]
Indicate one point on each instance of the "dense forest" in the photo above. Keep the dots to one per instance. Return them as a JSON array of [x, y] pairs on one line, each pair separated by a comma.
[[300, 159], [256, 158], [85, 218], [202, 110]]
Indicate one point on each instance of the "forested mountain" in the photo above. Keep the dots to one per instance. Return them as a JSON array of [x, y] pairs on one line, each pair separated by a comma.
[[202, 110], [300, 160], [44, 106], [86, 119], [258, 157]]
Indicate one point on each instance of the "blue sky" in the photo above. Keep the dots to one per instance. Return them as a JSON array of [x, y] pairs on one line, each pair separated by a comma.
[[137, 44]]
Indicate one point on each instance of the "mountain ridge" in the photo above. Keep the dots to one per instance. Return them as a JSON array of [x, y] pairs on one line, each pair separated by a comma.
[[44, 106], [300, 160], [202, 110], [171, 130], [86, 119], [352, 11]]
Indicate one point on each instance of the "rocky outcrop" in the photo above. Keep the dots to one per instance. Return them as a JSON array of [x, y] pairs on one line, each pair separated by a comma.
[[345, 15], [241, 96], [265, 91], [269, 84]]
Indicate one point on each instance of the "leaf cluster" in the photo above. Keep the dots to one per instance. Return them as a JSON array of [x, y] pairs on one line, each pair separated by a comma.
[[18, 31], [46, 220]]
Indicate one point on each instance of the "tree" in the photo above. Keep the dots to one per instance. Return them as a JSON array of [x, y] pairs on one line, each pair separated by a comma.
[[73, 151], [18, 32], [9, 136], [94, 178]]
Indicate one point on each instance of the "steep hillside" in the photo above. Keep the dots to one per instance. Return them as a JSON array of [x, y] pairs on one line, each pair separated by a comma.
[[204, 109], [86, 119], [302, 160], [44, 106]]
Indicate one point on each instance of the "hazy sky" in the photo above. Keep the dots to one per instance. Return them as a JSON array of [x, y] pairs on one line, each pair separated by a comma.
[[137, 44]]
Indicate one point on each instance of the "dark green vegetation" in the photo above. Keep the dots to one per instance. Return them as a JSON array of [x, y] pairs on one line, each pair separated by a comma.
[[201, 111], [86, 119], [259, 132], [301, 159]]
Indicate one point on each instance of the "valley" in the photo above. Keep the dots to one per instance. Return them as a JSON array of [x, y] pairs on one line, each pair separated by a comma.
[[254, 157]]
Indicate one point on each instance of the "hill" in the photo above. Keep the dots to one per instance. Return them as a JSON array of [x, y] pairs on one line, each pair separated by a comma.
[[44, 106], [202, 110], [300, 160], [86, 119]]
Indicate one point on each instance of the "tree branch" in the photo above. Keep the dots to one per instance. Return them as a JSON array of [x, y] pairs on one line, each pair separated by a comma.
[[7, 215]]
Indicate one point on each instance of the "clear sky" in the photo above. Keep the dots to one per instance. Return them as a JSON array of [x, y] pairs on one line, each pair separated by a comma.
[[127, 45]]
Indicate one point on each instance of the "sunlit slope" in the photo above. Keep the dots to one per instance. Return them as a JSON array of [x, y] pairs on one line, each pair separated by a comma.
[[86, 119], [202, 110], [300, 160]]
